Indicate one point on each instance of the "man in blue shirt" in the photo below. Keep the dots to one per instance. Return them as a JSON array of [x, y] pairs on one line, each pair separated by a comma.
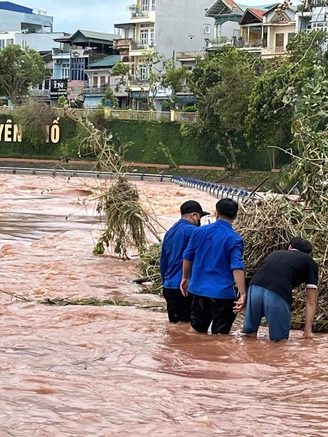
[[215, 253], [174, 244]]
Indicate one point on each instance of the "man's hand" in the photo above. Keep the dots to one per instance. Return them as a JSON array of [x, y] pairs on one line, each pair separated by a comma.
[[239, 304], [239, 276], [184, 287]]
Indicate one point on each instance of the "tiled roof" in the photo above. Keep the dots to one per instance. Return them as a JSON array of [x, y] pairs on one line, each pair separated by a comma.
[[95, 35], [108, 61], [258, 12], [220, 5]]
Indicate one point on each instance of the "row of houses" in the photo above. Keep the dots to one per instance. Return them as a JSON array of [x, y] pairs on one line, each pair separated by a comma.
[[80, 63]]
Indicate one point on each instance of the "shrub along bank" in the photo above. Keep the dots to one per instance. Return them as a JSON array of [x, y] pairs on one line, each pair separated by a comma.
[[150, 142]]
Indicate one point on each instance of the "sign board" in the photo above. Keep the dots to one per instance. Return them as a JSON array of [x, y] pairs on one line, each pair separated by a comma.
[[12, 133], [58, 87], [75, 88]]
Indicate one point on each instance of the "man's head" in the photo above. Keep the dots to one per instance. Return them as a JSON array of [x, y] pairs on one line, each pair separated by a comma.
[[226, 209], [300, 244], [192, 211]]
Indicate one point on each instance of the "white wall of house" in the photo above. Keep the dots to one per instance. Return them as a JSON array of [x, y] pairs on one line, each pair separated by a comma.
[[182, 26], [40, 42], [100, 78], [12, 20], [279, 32], [279, 36], [269, 16]]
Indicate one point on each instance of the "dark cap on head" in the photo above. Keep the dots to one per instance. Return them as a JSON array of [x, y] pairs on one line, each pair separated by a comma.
[[192, 206]]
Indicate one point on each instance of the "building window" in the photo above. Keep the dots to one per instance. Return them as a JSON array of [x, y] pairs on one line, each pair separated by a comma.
[[65, 71], [78, 66], [95, 82], [207, 29], [153, 3], [152, 37], [24, 44], [2, 43], [10, 42], [144, 5], [143, 73], [102, 80], [144, 36], [291, 35]]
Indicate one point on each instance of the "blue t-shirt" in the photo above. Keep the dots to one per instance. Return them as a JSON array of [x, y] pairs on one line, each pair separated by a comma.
[[175, 242], [215, 251]]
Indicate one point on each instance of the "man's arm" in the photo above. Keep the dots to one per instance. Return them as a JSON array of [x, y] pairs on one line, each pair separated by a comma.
[[188, 258], [163, 262], [311, 304], [186, 268], [239, 276]]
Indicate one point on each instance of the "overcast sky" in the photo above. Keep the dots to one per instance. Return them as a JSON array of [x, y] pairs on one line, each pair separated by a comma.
[[96, 15]]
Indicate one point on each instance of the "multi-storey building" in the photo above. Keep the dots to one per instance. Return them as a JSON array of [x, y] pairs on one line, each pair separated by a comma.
[[164, 26], [16, 17], [100, 78], [72, 59], [264, 31]]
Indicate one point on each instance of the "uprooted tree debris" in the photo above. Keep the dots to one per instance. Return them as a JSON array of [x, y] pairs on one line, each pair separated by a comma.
[[126, 220]]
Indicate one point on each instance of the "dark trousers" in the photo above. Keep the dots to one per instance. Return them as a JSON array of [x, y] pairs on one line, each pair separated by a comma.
[[205, 310], [178, 306]]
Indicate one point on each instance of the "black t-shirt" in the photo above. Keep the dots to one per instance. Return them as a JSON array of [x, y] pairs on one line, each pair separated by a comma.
[[283, 270]]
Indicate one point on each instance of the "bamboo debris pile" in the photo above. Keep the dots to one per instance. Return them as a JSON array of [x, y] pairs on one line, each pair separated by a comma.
[[126, 220], [149, 268], [270, 226]]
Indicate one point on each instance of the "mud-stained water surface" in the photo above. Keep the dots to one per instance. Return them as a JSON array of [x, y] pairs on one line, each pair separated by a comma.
[[123, 370]]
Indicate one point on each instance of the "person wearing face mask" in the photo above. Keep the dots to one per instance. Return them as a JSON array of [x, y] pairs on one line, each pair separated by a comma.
[[175, 242]]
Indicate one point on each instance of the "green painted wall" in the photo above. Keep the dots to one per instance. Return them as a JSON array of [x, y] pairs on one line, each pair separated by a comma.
[[146, 137]]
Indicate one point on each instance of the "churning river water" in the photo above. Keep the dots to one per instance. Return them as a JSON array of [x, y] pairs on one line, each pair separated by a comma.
[[123, 370]]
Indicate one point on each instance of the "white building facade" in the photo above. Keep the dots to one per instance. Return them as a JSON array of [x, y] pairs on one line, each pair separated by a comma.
[[16, 17], [166, 27]]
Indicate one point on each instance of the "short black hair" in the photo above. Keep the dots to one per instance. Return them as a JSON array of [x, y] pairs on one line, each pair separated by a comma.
[[301, 245], [227, 208]]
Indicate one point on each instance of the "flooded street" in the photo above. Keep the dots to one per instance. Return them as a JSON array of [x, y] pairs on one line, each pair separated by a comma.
[[124, 370]]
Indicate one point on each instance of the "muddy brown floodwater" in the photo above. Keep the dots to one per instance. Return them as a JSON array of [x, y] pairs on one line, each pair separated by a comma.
[[124, 371]]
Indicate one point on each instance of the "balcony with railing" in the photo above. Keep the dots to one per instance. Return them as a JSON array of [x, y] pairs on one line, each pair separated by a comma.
[[139, 15], [251, 44], [39, 93], [140, 46], [184, 90], [95, 89], [122, 43], [189, 55], [138, 80], [273, 51]]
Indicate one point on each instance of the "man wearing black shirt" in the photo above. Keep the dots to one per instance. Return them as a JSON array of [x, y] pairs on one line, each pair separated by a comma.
[[270, 291]]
